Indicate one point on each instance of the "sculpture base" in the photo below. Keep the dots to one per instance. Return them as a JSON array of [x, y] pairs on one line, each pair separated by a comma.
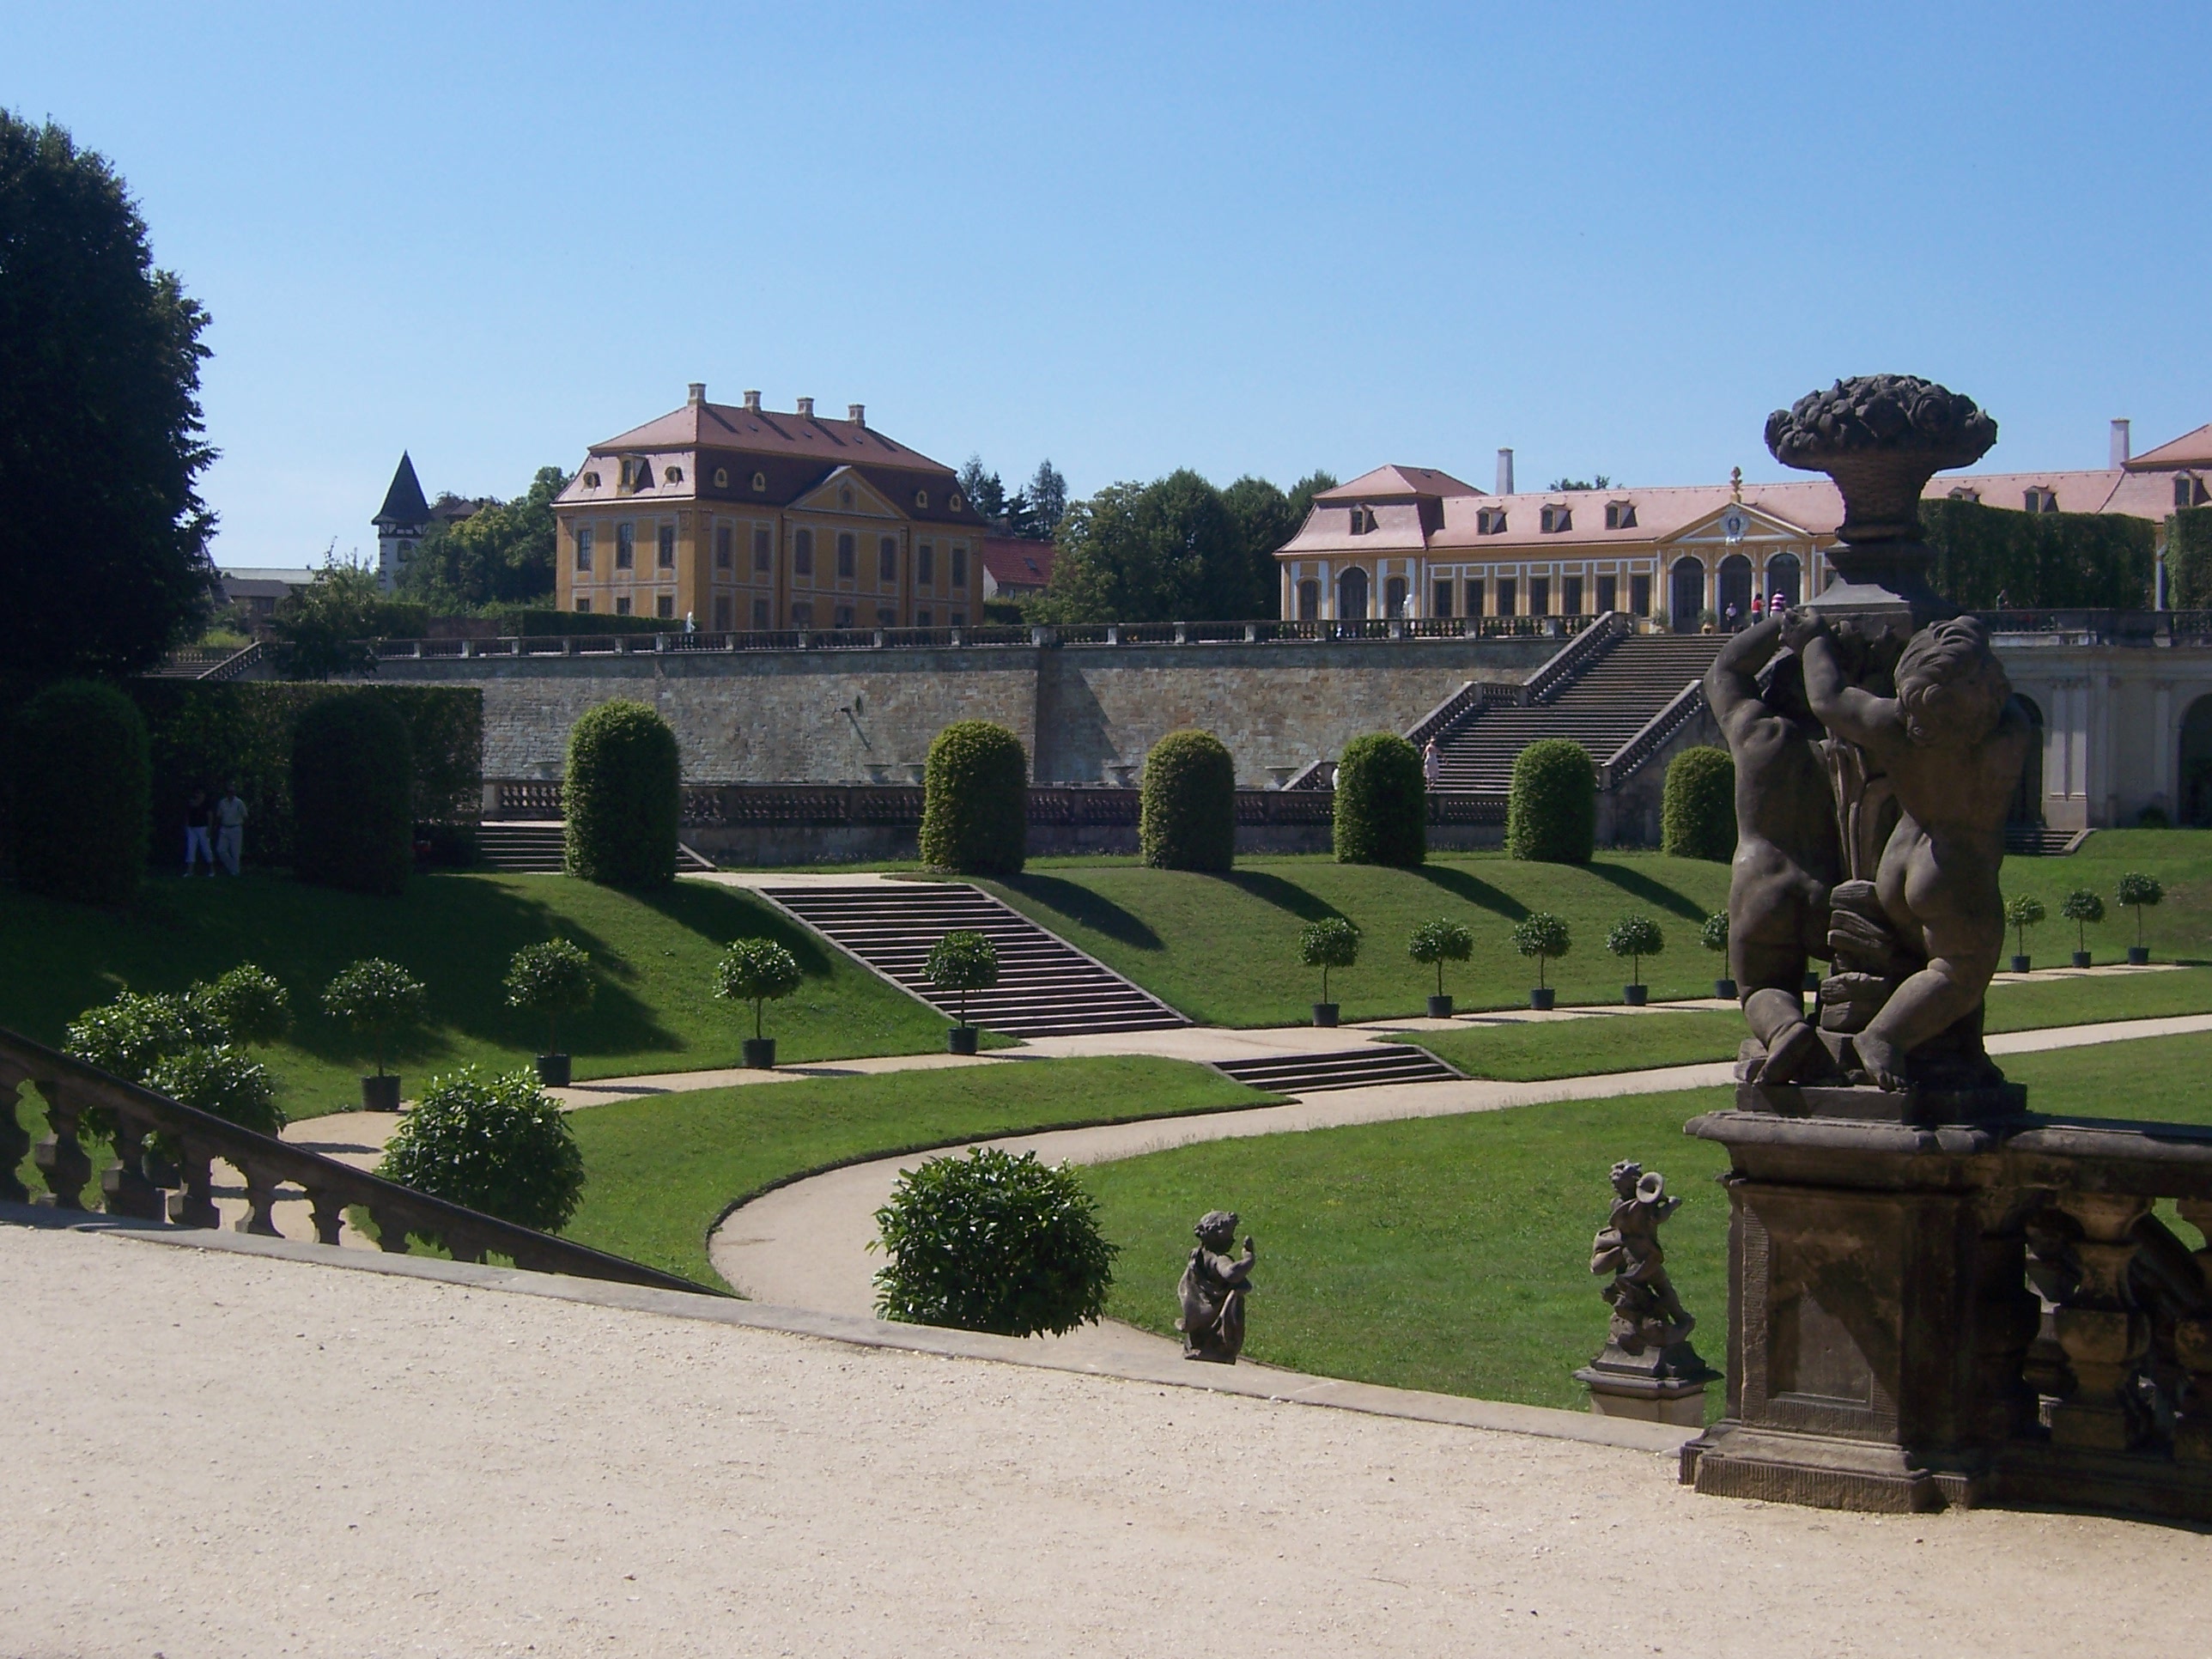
[[1657, 1386], [1917, 1105], [1731, 1461]]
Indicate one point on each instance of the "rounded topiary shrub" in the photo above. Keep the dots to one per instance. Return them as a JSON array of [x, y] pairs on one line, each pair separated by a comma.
[[623, 797], [353, 784], [1382, 803], [992, 1242], [81, 787], [491, 1143], [1697, 812], [225, 1080], [1188, 818], [975, 803], [1551, 815]]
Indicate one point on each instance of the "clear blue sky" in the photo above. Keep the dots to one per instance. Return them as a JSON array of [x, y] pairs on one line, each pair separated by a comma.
[[1136, 237]]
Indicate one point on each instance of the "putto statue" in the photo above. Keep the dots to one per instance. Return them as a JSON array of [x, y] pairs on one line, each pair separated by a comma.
[[1212, 1292], [1648, 1367]]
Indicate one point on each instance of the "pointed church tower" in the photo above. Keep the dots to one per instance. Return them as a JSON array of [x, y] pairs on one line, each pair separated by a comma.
[[402, 521]]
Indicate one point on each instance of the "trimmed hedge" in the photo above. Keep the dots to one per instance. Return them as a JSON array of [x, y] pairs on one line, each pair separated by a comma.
[[1697, 812], [2189, 559], [1188, 818], [1382, 803], [974, 802], [2037, 560], [80, 785], [623, 798], [353, 811], [1551, 817]]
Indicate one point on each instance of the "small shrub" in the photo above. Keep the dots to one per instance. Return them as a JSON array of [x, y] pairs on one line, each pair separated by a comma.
[[622, 797], [1634, 938], [246, 1002], [1188, 816], [1551, 815], [2140, 892], [2022, 914], [1440, 941], [1382, 803], [224, 1079], [756, 970], [80, 785], [962, 961], [352, 787], [992, 1242], [379, 1000], [974, 801], [1332, 942], [130, 1035], [552, 979], [2083, 907], [1714, 935], [1697, 812], [490, 1143], [1543, 936]]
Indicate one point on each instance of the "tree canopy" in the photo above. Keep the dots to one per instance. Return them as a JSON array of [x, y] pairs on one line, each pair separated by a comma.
[[500, 553], [104, 541], [327, 628], [1032, 512]]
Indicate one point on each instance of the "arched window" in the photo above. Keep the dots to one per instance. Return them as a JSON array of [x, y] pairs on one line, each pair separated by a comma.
[[2195, 773], [1309, 600], [1786, 577], [2028, 799], [1394, 597], [1685, 595], [1352, 595], [1735, 590]]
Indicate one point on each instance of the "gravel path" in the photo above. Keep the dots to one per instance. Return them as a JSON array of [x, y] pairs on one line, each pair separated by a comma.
[[216, 1454]]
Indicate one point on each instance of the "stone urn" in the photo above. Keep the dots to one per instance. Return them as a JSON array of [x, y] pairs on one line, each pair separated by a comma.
[[380, 1093], [553, 1070], [760, 1053]]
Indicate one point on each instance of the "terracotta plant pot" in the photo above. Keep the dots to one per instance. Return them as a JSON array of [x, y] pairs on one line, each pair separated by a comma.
[[2020, 965], [1440, 1007], [1324, 1013], [2138, 955], [960, 1040], [1724, 989], [1542, 997], [380, 1093], [760, 1053], [553, 1070], [1636, 996], [2081, 958]]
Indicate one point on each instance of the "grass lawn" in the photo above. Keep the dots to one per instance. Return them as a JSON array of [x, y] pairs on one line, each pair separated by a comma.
[[1634, 1042], [663, 1171], [1451, 1254], [1224, 949], [655, 954]]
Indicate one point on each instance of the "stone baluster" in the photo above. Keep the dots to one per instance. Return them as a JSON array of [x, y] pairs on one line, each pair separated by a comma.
[[391, 1229], [124, 1188], [463, 1245], [2103, 1333], [2192, 1347], [260, 1200], [61, 1159], [193, 1205], [14, 1140], [330, 1213]]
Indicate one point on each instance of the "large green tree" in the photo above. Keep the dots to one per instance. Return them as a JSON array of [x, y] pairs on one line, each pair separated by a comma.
[[501, 553], [103, 537]]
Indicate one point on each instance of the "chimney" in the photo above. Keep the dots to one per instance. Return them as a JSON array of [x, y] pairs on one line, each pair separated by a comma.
[[752, 402], [2119, 443], [857, 414], [698, 393], [1505, 472], [806, 408]]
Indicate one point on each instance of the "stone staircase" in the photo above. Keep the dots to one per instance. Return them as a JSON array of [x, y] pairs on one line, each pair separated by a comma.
[[1611, 698], [2031, 841], [536, 848], [1047, 987], [1348, 1068]]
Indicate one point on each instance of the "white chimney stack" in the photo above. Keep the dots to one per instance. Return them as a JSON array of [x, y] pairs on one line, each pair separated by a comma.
[[806, 408], [698, 393], [752, 401], [2119, 443], [1505, 472], [857, 414]]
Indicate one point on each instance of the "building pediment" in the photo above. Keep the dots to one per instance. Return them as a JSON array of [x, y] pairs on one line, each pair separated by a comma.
[[1734, 524], [846, 491]]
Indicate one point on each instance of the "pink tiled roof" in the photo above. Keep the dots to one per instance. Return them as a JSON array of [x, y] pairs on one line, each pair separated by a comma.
[[2189, 449], [1388, 481], [1015, 562]]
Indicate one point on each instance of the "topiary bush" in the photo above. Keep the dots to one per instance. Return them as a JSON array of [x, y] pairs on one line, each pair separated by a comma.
[[353, 783], [1697, 812], [379, 1000], [1382, 803], [130, 1035], [1635, 937], [1188, 818], [992, 1242], [2141, 892], [2083, 907], [2022, 912], [553, 979], [80, 785], [1551, 815], [1438, 942], [1332, 942], [962, 961], [492, 1143], [756, 970], [248, 1002], [1542, 936], [224, 1079], [622, 797], [974, 802]]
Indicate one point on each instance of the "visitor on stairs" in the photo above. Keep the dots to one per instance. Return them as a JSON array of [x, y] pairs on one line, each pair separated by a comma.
[[230, 830], [1432, 769]]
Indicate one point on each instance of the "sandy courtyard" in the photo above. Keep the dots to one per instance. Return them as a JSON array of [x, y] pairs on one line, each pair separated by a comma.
[[214, 1454]]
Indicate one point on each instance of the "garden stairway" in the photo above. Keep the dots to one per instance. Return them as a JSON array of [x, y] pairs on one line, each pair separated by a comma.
[[538, 849], [1047, 987], [1611, 699], [1346, 1068]]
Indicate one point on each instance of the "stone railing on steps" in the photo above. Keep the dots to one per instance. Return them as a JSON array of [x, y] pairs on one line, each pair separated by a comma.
[[147, 1188], [1657, 732], [1568, 664]]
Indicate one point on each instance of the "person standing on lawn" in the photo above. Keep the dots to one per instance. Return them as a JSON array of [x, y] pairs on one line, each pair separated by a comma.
[[198, 818], [230, 830]]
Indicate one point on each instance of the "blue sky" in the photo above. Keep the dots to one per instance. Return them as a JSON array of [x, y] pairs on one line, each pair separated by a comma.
[[1137, 237]]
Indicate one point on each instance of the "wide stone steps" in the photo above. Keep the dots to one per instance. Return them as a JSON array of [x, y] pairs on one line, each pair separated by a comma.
[[1046, 987], [1376, 1064], [520, 848]]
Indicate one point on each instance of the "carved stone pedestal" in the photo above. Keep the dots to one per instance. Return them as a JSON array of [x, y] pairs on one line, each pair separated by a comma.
[[1657, 1386]]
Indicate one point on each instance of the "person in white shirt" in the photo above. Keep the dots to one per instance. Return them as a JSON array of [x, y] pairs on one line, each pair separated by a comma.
[[1432, 771], [230, 830]]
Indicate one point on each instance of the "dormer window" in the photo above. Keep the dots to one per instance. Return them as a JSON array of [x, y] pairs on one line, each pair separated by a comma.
[[2041, 499], [760, 484], [672, 475], [1620, 515], [958, 501], [921, 499], [1363, 520], [722, 478], [590, 481], [1490, 521], [1556, 518], [637, 474], [1963, 493], [2188, 490]]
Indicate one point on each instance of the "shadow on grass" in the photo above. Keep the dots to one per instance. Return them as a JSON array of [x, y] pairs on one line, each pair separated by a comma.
[[1087, 909], [1476, 891], [723, 914], [1283, 895], [1651, 892]]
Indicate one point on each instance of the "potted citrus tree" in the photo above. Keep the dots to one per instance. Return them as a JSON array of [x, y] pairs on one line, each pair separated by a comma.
[[1544, 937], [1713, 936], [2082, 907], [1633, 939], [1438, 942], [2140, 892], [379, 1000], [2022, 913], [962, 961], [757, 970], [552, 979], [1332, 942]]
